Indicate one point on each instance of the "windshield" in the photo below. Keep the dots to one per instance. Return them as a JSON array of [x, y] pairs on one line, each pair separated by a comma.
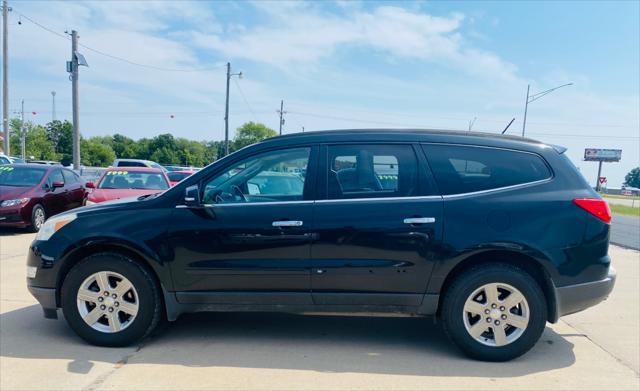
[[20, 176], [133, 180]]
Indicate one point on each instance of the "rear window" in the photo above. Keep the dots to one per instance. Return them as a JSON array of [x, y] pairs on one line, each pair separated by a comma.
[[177, 176], [125, 163], [464, 169]]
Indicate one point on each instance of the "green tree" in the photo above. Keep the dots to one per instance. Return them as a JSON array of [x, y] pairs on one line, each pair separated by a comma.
[[251, 133], [124, 147], [96, 153], [61, 135], [633, 178], [37, 143]]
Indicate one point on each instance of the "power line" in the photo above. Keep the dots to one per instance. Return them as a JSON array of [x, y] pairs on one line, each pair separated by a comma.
[[245, 100], [424, 126], [118, 58]]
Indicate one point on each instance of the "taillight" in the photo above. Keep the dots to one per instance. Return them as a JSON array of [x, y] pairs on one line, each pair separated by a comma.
[[596, 207]]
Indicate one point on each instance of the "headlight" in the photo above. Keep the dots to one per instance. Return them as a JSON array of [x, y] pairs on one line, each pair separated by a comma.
[[15, 202], [52, 225]]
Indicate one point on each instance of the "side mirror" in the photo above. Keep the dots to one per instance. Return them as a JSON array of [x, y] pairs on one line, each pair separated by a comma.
[[90, 185], [57, 184], [192, 196]]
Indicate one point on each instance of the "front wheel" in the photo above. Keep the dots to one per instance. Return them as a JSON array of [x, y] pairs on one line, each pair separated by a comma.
[[494, 312], [38, 217], [110, 300]]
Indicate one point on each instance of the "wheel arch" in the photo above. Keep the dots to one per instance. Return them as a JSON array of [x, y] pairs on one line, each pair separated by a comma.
[[529, 264]]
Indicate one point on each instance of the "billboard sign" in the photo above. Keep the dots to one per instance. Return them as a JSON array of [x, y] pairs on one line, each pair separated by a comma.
[[602, 155]]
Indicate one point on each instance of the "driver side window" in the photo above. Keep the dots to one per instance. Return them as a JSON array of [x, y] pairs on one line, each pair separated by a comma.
[[267, 177]]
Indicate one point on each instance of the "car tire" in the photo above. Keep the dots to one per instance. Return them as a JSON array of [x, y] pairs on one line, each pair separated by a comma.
[[474, 325], [97, 289], [38, 217]]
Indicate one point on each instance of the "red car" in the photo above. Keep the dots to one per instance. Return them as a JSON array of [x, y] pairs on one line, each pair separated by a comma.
[[177, 176], [124, 182], [30, 193]]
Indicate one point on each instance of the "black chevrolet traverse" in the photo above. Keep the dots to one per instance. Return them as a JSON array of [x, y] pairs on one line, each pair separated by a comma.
[[493, 235]]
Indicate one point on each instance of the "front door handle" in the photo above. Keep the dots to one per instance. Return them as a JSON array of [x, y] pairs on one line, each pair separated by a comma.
[[287, 223], [419, 220]]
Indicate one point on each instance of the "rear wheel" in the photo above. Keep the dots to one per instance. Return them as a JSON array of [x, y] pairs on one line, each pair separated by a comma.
[[110, 300], [38, 217], [494, 312]]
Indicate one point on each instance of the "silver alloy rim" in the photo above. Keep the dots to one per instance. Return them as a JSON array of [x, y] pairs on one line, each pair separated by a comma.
[[107, 301], [38, 218], [496, 314]]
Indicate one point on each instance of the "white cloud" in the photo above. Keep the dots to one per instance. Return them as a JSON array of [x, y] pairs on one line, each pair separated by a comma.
[[300, 33]]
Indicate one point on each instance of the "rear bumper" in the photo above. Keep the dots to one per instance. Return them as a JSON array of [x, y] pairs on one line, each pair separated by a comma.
[[575, 298], [47, 299]]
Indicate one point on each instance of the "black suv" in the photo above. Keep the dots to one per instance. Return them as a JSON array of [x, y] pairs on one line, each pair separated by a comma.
[[494, 235]]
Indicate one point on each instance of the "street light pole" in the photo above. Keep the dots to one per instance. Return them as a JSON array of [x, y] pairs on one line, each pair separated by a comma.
[[5, 76], [534, 97], [226, 109]]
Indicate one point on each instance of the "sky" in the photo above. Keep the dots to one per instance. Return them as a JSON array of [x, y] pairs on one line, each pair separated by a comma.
[[159, 67]]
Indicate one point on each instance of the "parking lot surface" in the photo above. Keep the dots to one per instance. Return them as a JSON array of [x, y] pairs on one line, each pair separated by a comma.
[[595, 349]]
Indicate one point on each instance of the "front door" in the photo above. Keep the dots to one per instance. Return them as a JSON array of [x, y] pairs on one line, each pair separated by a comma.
[[379, 228], [55, 198], [249, 243]]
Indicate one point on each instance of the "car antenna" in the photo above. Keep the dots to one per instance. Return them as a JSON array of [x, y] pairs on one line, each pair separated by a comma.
[[509, 124]]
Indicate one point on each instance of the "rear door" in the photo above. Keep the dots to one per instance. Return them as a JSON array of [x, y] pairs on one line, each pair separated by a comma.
[[379, 227]]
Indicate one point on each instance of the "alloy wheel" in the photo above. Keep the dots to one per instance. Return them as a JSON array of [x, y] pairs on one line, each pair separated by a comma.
[[496, 314], [107, 302]]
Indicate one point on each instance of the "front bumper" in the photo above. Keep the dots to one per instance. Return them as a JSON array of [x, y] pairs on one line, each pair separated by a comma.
[[47, 299], [574, 298]]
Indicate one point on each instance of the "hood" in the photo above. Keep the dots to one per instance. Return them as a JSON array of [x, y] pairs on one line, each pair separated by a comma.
[[102, 195], [13, 192]]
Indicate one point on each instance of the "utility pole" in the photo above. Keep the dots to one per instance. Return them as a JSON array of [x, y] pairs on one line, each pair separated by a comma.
[[282, 113], [53, 106], [226, 113], [226, 109], [5, 76], [74, 98], [23, 133]]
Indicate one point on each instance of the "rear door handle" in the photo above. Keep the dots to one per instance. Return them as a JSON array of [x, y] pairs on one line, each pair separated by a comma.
[[287, 223], [419, 220]]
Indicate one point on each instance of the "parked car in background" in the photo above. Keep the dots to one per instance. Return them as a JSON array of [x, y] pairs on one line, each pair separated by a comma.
[[177, 176], [16, 160], [116, 183], [494, 235], [45, 162], [181, 168], [137, 163], [31, 193], [4, 159]]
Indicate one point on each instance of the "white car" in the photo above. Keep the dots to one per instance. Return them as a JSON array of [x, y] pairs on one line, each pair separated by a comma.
[[4, 159], [136, 163]]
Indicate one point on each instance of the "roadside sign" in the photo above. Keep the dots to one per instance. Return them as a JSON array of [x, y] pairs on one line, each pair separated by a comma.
[[602, 155], [602, 179]]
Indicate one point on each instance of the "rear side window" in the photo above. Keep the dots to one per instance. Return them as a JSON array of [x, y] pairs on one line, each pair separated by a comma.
[[464, 169], [363, 171]]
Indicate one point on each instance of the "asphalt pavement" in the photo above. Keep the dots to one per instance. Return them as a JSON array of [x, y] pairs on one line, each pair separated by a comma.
[[625, 231], [592, 350]]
